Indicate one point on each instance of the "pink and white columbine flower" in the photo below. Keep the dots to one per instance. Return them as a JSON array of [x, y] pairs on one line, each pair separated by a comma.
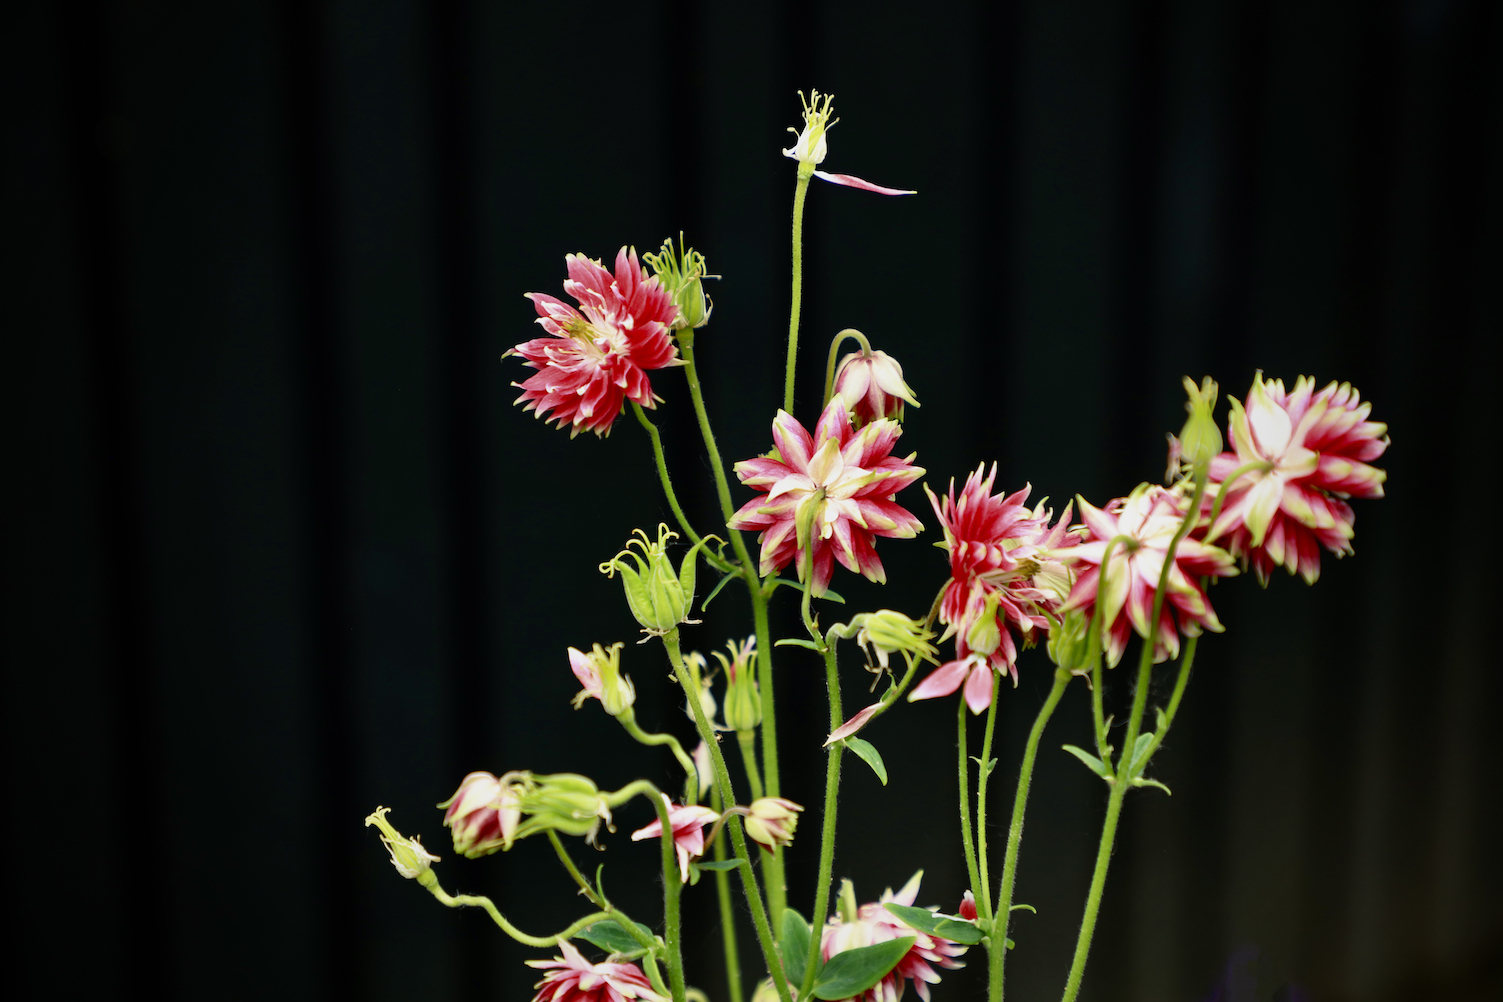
[[1148, 518], [597, 356], [812, 145], [483, 814], [1309, 450], [839, 482], [1004, 578], [574, 979], [688, 823], [871, 384], [874, 924]]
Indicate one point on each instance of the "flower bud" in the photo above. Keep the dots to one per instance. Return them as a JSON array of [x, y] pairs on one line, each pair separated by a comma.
[[1200, 439], [483, 813], [766, 991], [407, 854], [564, 802], [1069, 643], [658, 596], [600, 673], [681, 274], [743, 701], [871, 385], [984, 635], [770, 821], [886, 632]]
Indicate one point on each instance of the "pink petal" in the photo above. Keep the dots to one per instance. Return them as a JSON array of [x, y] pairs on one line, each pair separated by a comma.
[[978, 688], [856, 182], [855, 724], [941, 681]]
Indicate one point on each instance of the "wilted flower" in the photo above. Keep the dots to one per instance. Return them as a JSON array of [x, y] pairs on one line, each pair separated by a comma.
[[811, 146], [770, 821], [839, 483], [600, 673], [682, 272], [564, 802], [658, 595], [597, 356], [407, 854], [884, 633], [484, 813], [1307, 451], [574, 979], [871, 924], [871, 384], [1149, 518], [688, 823]]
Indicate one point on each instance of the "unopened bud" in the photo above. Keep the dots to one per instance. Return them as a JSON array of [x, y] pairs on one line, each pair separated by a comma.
[[871, 386], [1069, 643], [743, 700], [770, 821], [407, 854], [658, 596], [1200, 439], [564, 802], [968, 907], [984, 635], [483, 813], [600, 673]]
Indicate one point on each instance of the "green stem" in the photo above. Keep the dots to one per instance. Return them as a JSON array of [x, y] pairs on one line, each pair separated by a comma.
[[849, 332], [461, 900], [998, 947], [827, 834], [738, 833], [568, 861], [965, 803], [678, 511], [628, 720], [727, 913], [1187, 661], [805, 171], [748, 742], [984, 891], [672, 887]]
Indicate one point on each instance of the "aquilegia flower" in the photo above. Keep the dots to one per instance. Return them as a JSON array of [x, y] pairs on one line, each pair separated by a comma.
[[688, 821], [484, 814], [1149, 517], [600, 673], [1004, 578], [1307, 451], [871, 384], [812, 145], [596, 356], [574, 979], [874, 924], [839, 483], [770, 821]]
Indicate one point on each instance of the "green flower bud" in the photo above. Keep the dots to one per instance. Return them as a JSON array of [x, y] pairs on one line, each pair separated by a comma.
[[1200, 439], [658, 596], [985, 634], [681, 274], [743, 700], [1069, 643]]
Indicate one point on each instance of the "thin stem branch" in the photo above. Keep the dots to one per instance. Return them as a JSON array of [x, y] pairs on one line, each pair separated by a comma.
[[479, 900], [748, 742], [984, 890], [998, 947], [727, 913], [628, 720], [805, 171], [568, 861], [827, 833], [849, 332], [667, 482], [965, 802]]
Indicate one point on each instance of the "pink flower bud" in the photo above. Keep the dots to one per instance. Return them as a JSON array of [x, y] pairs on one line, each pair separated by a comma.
[[871, 384], [483, 814], [771, 820], [968, 907], [600, 673]]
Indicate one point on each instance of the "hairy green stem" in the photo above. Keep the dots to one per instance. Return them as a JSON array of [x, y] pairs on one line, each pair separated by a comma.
[[805, 171], [998, 947], [748, 742], [738, 834], [667, 482], [1186, 662], [849, 332], [461, 900], [983, 890], [965, 803], [628, 720], [727, 913], [827, 834]]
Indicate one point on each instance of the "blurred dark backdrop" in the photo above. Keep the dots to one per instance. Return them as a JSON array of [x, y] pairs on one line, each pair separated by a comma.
[[278, 548]]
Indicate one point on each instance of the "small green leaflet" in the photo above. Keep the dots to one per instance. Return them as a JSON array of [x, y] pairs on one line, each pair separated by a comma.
[[867, 753], [796, 642], [723, 864], [611, 938], [716, 590], [922, 919], [848, 974], [795, 942], [1139, 750], [1091, 761]]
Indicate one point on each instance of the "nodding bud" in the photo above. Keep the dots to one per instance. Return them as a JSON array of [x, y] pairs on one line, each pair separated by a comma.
[[681, 274], [743, 700], [407, 854], [484, 813], [1200, 439], [871, 385], [564, 802], [770, 821], [658, 595], [600, 673]]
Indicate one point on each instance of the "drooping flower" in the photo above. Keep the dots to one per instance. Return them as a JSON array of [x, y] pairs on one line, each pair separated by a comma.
[[1005, 579], [571, 978], [600, 673], [1297, 456], [770, 821], [837, 486], [564, 802], [1148, 518], [688, 821], [483, 814], [871, 384], [872, 924], [407, 854], [812, 145], [597, 356]]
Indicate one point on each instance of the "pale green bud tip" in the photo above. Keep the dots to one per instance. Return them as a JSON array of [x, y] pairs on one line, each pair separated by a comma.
[[1200, 439], [407, 854]]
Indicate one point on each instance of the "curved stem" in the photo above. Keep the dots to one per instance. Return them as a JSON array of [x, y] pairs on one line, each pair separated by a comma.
[[678, 511], [984, 891], [727, 913], [748, 742], [965, 803], [998, 947], [672, 887], [805, 171], [1187, 661], [827, 834], [568, 861], [628, 720], [461, 900], [738, 833], [849, 332]]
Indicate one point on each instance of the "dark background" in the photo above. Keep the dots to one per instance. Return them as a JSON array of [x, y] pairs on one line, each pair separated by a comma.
[[278, 548]]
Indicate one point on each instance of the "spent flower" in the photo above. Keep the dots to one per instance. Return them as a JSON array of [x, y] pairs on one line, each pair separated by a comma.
[[564, 802], [407, 854], [600, 673], [812, 144], [658, 595], [681, 271]]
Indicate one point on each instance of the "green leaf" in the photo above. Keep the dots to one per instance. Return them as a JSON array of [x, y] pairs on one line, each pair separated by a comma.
[[1016, 908], [1139, 750], [848, 974], [1091, 761], [796, 642], [797, 586], [868, 753], [984, 767], [948, 926], [794, 940], [723, 864], [1152, 782], [716, 590], [610, 937]]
